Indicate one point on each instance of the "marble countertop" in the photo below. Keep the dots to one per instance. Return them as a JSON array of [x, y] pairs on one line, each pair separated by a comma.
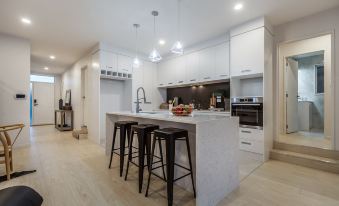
[[166, 116]]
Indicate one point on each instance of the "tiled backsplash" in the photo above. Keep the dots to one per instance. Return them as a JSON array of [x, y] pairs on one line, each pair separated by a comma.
[[198, 94]]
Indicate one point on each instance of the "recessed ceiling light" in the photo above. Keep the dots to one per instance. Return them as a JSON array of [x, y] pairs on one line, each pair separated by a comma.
[[95, 65], [26, 21], [52, 57], [162, 42], [238, 6], [46, 68]]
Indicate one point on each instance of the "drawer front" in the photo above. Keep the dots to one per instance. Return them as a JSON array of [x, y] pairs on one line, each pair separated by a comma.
[[252, 134], [251, 145]]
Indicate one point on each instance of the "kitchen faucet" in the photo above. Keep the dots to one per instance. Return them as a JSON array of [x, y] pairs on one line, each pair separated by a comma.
[[138, 109]]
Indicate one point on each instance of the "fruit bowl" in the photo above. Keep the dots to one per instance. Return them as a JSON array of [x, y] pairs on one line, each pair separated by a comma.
[[182, 110]]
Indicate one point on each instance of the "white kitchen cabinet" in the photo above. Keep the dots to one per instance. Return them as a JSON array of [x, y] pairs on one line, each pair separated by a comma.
[[247, 53], [125, 64], [108, 61], [251, 140], [192, 68], [222, 61], [207, 64], [180, 70], [162, 76], [171, 72]]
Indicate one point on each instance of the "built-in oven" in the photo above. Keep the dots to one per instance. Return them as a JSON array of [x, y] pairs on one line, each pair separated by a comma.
[[249, 110]]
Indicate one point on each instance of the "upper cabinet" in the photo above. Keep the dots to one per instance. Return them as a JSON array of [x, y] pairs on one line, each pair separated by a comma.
[[247, 53], [108, 61], [197, 67], [207, 64], [115, 66], [180, 70], [125, 64], [192, 68], [162, 77], [222, 61]]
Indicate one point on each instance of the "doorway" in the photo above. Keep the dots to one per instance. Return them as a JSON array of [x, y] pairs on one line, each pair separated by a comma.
[[305, 93], [84, 94], [41, 100]]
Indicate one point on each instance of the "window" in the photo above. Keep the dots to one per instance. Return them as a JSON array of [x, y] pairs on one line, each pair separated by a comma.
[[319, 79], [40, 78]]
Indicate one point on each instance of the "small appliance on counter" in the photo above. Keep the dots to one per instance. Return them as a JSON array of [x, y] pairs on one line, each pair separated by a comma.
[[217, 101], [249, 110]]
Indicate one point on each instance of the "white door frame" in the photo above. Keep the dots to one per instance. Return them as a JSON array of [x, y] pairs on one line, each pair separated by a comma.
[[279, 128]]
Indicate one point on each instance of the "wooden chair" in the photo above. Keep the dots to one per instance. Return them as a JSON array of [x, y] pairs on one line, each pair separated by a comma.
[[6, 154]]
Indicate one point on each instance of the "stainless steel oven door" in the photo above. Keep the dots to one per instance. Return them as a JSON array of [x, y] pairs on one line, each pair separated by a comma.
[[250, 114]]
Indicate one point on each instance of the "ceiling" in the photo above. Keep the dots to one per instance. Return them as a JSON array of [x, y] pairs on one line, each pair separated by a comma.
[[69, 28]]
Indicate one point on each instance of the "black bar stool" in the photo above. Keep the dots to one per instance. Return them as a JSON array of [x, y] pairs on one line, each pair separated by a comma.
[[170, 135], [144, 132], [124, 127]]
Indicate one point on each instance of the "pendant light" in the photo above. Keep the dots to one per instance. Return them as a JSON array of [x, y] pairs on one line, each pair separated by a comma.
[[136, 61], [154, 55], [178, 48]]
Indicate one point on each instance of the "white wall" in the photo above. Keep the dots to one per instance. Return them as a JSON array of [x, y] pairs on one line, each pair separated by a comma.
[[14, 78], [71, 79], [311, 26]]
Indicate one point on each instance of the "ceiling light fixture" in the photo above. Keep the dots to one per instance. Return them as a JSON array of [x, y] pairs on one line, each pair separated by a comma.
[[52, 57], [46, 68], [136, 61], [238, 6], [154, 55], [162, 42], [95, 65], [178, 48], [26, 21]]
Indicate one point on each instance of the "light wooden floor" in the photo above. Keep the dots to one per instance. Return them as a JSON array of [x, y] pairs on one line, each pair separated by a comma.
[[72, 173], [306, 139]]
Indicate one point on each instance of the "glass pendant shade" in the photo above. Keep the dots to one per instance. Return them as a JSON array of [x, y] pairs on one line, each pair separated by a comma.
[[177, 48], [154, 56], [136, 63]]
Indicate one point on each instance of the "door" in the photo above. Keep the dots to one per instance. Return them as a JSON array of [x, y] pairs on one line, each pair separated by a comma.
[[43, 103], [84, 90], [291, 91]]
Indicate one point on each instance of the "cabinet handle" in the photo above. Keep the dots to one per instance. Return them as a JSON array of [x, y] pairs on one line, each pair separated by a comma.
[[170, 83], [223, 75], [247, 143], [207, 77], [109, 67], [245, 131], [192, 80], [246, 70], [180, 81], [125, 69], [161, 84]]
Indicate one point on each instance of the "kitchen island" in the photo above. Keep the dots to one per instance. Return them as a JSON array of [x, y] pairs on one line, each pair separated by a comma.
[[214, 149]]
